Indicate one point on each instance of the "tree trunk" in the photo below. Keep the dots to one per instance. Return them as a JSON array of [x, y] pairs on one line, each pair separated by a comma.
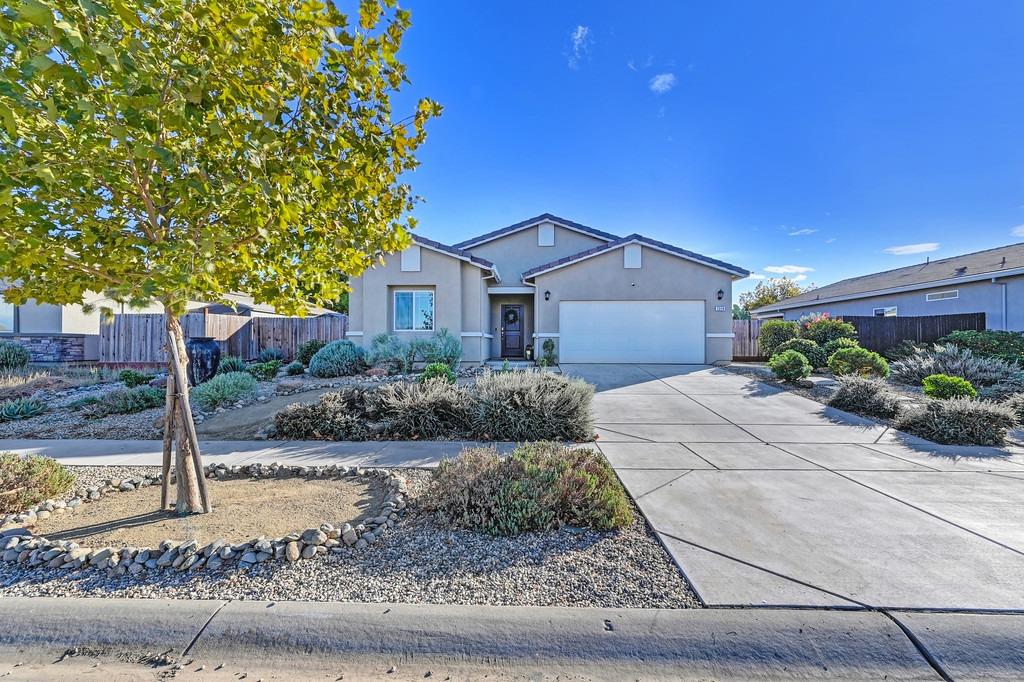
[[188, 464]]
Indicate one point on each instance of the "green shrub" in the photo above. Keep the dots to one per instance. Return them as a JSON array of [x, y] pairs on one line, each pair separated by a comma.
[[294, 369], [26, 481], [549, 358], [953, 361], [521, 406], [858, 361], [960, 421], [126, 401], [903, 350], [392, 353], [835, 344], [866, 396], [790, 366], [21, 408], [224, 389], [437, 370], [264, 371], [132, 378], [338, 415], [538, 487], [444, 348], [308, 349], [814, 353], [824, 328], [942, 387], [1008, 346], [271, 354], [13, 355], [230, 363], [337, 359], [774, 333], [429, 410]]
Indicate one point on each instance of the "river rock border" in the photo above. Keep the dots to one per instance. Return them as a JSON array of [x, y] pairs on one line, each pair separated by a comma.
[[18, 544]]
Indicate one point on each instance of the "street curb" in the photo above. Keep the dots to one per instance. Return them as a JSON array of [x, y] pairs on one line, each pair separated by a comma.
[[303, 637]]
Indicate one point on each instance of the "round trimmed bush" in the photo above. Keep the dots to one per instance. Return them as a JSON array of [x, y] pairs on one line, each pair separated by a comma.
[[814, 353], [859, 361], [774, 333], [942, 386], [790, 366], [224, 389], [437, 370], [294, 369], [835, 344], [12, 355], [337, 359]]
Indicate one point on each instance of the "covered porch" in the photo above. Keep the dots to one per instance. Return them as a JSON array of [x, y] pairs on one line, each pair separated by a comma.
[[512, 314]]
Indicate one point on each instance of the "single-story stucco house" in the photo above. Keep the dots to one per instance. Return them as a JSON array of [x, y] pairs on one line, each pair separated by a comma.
[[600, 297], [990, 282]]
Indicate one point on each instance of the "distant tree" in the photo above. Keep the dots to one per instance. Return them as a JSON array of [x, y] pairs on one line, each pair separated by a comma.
[[176, 150], [739, 313], [770, 291]]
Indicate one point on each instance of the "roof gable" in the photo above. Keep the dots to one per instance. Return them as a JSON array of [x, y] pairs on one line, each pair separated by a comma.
[[454, 252], [995, 262], [734, 270], [531, 222]]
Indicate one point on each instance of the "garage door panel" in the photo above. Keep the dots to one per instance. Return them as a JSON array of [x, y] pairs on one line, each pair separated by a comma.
[[631, 331]]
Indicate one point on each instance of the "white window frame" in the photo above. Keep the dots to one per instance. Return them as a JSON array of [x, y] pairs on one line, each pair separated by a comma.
[[884, 310], [942, 296], [394, 309]]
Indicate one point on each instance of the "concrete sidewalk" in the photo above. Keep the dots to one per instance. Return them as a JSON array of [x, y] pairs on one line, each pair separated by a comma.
[[150, 452], [60, 638]]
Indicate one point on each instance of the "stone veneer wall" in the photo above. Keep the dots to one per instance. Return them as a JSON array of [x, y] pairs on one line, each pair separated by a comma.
[[51, 347]]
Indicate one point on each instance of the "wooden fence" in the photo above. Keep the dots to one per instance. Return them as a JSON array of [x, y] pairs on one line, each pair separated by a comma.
[[139, 338], [875, 333]]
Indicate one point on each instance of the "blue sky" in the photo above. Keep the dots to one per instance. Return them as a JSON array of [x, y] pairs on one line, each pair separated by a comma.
[[808, 137]]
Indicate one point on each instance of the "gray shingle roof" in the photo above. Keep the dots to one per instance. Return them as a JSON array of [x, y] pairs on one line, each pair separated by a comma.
[[532, 221], [721, 265], [919, 276], [453, 250]]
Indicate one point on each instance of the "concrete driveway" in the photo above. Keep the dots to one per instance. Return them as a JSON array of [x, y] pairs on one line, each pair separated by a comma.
[[767, 498]]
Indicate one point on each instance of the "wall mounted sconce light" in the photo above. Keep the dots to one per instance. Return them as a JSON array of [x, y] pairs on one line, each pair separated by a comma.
[[547, 295], [721, 294]]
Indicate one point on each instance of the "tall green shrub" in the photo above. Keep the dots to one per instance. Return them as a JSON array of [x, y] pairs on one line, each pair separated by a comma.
[[991, 343], [444, 348], [774, 333], [790, 366], [814, 353], [858, 361], [13, 355], [308, 349], [337, 359]]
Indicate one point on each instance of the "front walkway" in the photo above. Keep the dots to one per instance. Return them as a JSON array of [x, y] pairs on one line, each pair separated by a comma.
[[767, 498]]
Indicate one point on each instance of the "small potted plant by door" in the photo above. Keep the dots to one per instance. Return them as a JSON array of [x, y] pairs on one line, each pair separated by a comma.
[[529, 351]]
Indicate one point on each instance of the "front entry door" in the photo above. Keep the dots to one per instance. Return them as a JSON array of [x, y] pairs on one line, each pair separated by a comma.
[[511, 330]]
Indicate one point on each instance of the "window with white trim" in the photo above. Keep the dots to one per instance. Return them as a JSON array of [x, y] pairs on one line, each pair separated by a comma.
[[942, 295], [888, 311], [414, 311], [7, 317]]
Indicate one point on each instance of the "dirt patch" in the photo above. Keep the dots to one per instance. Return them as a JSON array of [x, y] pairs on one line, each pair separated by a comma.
[[243, 510]]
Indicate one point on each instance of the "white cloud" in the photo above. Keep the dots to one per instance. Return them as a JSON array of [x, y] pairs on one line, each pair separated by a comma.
[[788, 269], [1018, 231], [662, 83], [910, 249], [830, 240], [798, 233], [798, 278], [580, 42], [756, 275]]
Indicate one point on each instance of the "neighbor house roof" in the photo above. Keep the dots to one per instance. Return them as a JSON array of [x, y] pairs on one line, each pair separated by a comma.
[[457, 253], [544, 217], [970, 267], [636, 239]]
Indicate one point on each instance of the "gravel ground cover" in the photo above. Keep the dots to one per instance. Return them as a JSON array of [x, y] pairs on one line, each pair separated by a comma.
[[416, 562]]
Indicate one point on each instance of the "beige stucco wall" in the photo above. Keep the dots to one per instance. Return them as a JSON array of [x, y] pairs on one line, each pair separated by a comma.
[[662, 277], [516, 253], [459, 300]]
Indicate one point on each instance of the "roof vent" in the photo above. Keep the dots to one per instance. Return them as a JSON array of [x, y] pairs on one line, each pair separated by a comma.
[[960, 272]]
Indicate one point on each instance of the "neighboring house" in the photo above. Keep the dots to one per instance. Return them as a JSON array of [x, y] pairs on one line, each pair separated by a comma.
[[598, 296], [67, 333], [990, 282]]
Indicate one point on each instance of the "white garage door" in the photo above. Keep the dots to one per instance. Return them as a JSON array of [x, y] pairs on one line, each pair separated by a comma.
[[631, 331]]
